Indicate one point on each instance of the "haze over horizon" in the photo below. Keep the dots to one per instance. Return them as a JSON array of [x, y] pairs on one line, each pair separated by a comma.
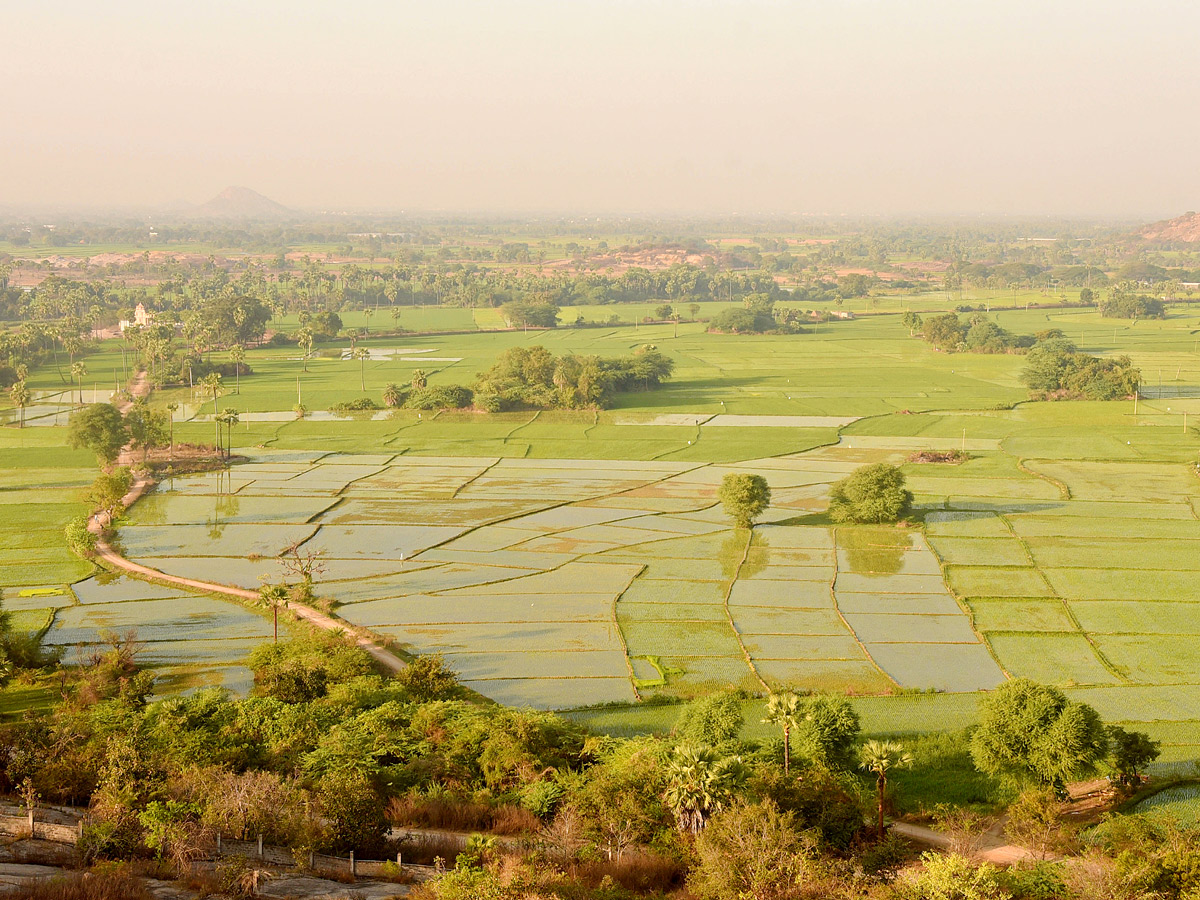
[[859, 107]]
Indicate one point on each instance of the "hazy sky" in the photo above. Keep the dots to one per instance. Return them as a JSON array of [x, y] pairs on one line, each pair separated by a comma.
[[840, 106]]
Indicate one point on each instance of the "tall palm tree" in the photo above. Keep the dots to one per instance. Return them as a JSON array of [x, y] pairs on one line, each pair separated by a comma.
[[391, 395], [784, 710], [210, 386], [274, 596], [882, 757], [237, 353], [78, 371], [172, 408], [19, 394], [362, 354], [419, 379]]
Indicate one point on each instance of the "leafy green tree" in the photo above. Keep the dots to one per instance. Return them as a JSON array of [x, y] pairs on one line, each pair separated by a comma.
[[741, 321], [148, 428], [912, 321], [107, 491], [715, 719], [419, 380], [874, 493], [79, 538], [828, 731], [664, 312], [520, 314], [1030, 733], [752, 850], [100, 428], [745, 497], [880, 758], [784, 711], [702, 782], [1132, 751]]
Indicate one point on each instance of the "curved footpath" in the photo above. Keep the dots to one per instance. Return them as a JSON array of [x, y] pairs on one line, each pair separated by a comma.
[[142, 483]]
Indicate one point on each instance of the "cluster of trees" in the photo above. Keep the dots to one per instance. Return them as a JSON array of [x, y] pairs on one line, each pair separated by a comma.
[[534, 378], [757, 316], [1124, 302], [978, 334], [1055, 369]]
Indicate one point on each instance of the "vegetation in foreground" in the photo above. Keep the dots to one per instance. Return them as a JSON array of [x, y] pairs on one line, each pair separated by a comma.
[[328, 756]]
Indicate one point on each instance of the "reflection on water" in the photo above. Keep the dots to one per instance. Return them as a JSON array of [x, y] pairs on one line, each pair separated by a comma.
[[874, 551], [730, 553]]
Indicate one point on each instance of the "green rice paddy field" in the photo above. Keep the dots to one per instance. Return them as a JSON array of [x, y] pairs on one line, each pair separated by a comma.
[[567, 559]]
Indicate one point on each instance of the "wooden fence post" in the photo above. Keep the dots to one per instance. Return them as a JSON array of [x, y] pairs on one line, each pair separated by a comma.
[[218, 843], [32, 824], [399, 864], [353, 867], [79, 833], [260, 850], [312, 860]]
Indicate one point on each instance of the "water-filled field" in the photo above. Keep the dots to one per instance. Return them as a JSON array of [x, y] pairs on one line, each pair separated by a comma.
[[564, 582]]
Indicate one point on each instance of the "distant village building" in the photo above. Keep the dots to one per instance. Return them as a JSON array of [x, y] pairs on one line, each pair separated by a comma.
[[141, 318]]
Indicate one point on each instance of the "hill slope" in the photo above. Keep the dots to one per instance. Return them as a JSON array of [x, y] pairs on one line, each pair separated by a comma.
[[1181, 228], [241, 203]]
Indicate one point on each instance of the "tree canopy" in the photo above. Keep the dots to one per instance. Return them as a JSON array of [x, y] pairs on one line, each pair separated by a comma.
[[1055, 369], [100, 428], [1031, 733], [874, 493], [745, 497]]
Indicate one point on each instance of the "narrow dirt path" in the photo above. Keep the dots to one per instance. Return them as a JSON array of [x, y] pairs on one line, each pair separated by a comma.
[[993, 849], [143, 482]]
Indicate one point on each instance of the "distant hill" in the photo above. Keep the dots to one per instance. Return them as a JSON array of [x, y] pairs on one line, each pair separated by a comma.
[[1181, 228], [241, 203]]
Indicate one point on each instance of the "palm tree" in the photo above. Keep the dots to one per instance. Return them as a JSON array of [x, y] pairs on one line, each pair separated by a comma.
[[228, 418], [362, 354], [78, 371], [702, 784], [304, 337], [237, 353], [419, 379], [882, 757], [784, 710], [172, 408], [391, 395], [274, 596], [210, 386], [19, 394]]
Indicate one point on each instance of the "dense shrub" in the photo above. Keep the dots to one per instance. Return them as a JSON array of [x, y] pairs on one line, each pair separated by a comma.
[[448, 396]]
